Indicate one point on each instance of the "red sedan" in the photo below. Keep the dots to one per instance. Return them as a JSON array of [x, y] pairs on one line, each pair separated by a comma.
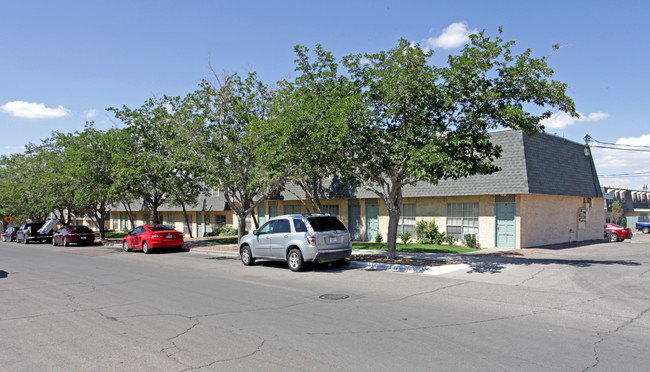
[[617, 233], [149, 237], [73, 234]]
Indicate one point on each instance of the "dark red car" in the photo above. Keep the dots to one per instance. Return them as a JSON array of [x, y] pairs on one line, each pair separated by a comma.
[[617, 233], [80, 235], [149, 237]]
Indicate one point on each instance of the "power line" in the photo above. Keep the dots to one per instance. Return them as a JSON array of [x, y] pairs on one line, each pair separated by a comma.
[[640, 174], [620, 149], [617, 144]]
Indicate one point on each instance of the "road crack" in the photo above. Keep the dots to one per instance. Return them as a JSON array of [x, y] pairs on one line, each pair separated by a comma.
[[602, 336]]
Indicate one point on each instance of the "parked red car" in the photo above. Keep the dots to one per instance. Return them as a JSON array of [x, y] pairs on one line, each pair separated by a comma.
[[149, 237], [617, 233], [73, 234]]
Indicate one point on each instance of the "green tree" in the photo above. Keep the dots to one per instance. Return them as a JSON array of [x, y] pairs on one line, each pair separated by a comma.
[[222, 137], [308, 123], [426, 123], [144, 165], [17, 197], [617, 212], [88, 160]]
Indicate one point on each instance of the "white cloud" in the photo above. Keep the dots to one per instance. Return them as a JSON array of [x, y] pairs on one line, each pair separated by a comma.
[[610, 162], [32, 110], [90, 113], [562, 119], [453, 36]]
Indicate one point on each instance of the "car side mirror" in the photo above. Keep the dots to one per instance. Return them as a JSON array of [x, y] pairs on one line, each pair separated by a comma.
[[256, 232]]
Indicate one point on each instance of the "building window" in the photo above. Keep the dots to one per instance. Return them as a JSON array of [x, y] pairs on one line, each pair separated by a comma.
[[273, 210], [188, 222], [462, 219], [219, 220], [261, 214], [291, 209], [207, 228], [333, 210], [170, 220], [407, 219], [643, 217]]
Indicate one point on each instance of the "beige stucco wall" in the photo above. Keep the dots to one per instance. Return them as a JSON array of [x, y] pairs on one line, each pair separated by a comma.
[[140, 218], [545, 219], [539, 219]]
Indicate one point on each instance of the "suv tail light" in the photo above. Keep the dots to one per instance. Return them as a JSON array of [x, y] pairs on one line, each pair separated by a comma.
[[311, 239]]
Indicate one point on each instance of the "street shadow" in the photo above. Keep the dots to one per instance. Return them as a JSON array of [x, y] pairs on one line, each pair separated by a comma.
[[222, 258], [568, 245], [496, 265], [3, 274], [309, 266]]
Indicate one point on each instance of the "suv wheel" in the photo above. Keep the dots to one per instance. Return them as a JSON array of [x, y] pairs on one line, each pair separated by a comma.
[[295, 261], [246, 256]]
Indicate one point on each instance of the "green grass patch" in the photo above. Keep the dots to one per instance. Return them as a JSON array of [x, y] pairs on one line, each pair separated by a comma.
[[414, 248], [223, 240], [115, 235]]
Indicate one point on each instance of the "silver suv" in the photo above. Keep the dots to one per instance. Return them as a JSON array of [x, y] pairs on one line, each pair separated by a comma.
[[296, 239]]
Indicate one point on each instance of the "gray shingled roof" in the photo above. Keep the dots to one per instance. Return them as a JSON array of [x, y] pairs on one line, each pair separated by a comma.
[[540, 164]]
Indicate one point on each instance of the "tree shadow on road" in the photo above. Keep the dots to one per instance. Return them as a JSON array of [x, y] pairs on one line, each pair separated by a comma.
[[496, 265]]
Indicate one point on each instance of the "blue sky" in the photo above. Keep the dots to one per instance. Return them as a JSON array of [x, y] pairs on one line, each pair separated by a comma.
[[63, 63]]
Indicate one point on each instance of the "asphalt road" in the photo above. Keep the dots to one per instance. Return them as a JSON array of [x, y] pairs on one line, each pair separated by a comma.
[[580, 308]]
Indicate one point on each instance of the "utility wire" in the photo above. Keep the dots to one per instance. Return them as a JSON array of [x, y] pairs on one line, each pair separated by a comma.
[[617, 144], [620, 149]]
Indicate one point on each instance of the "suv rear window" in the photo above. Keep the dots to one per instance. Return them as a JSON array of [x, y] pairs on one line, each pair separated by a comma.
[[326, 223]]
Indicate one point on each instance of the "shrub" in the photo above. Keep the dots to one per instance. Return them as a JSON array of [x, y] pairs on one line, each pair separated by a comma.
[[405, 236], [450, 239], [623, 222], [227, 230], [470, 240], [379, 238], [427, 233]]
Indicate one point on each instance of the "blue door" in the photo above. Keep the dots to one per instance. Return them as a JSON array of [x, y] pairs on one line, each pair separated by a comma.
[[372, 221], [506, 233]]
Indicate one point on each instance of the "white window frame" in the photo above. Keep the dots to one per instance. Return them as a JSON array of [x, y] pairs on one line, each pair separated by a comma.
[[407, 219], [462, 219]]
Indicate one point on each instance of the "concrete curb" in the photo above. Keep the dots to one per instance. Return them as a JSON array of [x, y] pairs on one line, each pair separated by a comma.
[[410, 269]]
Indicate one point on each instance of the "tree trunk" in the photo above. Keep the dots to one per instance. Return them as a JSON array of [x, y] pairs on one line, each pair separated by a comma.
[[393, 223], [154, 215], [187, 221], [254, 219], [129, 212], [241, 229], [393, 204]]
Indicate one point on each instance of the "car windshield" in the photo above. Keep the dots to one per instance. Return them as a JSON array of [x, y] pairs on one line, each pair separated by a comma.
[[326, 223], [160, 228]]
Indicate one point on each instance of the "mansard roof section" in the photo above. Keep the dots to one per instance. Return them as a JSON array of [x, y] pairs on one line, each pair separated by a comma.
[[212, 200], [540, 164], [557, 166]]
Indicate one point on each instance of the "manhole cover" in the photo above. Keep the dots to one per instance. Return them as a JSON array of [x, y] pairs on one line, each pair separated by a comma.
[[333, 297]]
